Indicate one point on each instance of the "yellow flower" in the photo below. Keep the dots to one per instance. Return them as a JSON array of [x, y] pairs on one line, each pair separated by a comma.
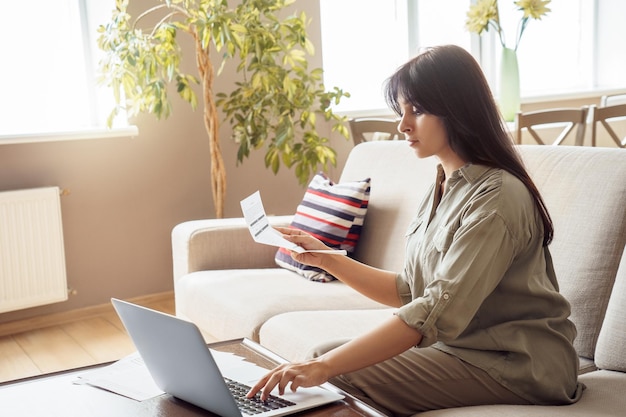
[[484, 13], [533, 8], [480, 14]]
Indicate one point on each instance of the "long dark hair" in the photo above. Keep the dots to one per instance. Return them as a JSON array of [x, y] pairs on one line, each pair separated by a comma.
[[447, 82]]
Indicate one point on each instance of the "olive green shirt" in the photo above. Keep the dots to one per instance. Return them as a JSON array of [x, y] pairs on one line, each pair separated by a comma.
[[479, 284]]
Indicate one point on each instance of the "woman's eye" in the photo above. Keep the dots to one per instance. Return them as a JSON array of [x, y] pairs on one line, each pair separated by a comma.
[[415, 110]]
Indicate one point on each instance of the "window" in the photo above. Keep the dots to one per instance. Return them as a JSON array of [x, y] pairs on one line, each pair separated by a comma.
[[359, 53], [575, 49], [47, 77], [555, 51]]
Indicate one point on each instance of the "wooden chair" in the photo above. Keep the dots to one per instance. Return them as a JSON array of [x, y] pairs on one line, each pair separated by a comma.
[[567, 119], [367, 128], [612, 99], [604, 116]]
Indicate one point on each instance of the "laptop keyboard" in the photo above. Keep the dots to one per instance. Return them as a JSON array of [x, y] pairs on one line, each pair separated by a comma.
[[254, 405]]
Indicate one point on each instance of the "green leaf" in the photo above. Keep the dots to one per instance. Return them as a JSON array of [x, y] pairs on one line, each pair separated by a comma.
[[276, 98]]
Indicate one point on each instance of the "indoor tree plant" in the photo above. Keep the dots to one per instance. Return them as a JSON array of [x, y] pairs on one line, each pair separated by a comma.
[[274, 106]]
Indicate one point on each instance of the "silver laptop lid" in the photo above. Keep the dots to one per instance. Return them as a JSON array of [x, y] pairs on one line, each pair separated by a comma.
[[177, 357]]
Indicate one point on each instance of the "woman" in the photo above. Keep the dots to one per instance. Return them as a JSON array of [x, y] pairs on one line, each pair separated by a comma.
[[479, 317]]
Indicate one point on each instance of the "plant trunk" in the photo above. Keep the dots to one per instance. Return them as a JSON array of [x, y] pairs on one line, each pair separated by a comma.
[[218, 171]]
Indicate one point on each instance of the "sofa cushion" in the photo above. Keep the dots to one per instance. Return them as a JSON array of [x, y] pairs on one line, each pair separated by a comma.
[[283, 335], [234, 303], [333, 213], [399, 181], [584, 190], [611, 347], [603, 396]]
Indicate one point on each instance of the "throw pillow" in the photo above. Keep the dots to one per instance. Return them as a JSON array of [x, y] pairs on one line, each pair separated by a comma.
[[333, 213]]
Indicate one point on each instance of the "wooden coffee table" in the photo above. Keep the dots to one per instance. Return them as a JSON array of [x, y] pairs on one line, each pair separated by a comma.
[[55, 395]]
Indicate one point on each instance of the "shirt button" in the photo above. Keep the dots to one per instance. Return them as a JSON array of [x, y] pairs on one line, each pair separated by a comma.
[[446, 296]]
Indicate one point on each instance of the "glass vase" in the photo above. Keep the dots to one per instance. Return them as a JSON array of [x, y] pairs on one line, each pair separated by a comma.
[[509, 84]]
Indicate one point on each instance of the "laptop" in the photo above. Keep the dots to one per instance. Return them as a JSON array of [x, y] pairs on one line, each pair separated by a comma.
[[182, 365]]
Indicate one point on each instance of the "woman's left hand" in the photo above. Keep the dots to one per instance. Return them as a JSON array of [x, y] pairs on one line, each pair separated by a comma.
[[305, 374], [305, 241]]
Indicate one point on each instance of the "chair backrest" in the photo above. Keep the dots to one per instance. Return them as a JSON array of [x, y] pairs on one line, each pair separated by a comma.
[[604, 115], [612, 99], [365, 129], [565, 118]]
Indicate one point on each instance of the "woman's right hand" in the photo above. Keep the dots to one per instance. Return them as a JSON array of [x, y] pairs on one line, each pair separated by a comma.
[[292, 376]]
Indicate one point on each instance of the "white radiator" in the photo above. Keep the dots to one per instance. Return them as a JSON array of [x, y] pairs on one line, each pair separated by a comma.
[[32, 257]]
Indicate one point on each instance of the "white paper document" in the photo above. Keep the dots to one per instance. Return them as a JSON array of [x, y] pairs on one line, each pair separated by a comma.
[[262, 232], [130, 378]]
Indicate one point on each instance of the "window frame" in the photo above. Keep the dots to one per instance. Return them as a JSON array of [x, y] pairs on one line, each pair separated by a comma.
[[486, 49], [95, 126]]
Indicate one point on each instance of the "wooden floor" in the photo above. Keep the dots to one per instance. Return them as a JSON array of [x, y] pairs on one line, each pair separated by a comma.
[[96, 339]]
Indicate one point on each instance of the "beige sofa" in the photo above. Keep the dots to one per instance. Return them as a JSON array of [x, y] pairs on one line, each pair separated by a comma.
[[231, 287]]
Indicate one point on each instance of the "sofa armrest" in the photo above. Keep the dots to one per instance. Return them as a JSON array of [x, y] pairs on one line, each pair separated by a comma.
[[214, 244]]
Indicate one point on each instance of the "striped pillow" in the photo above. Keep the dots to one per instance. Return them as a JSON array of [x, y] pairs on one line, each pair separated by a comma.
[[334, 214]]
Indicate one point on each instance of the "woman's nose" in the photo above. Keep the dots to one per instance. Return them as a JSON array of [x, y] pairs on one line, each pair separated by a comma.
[[403, 127]]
